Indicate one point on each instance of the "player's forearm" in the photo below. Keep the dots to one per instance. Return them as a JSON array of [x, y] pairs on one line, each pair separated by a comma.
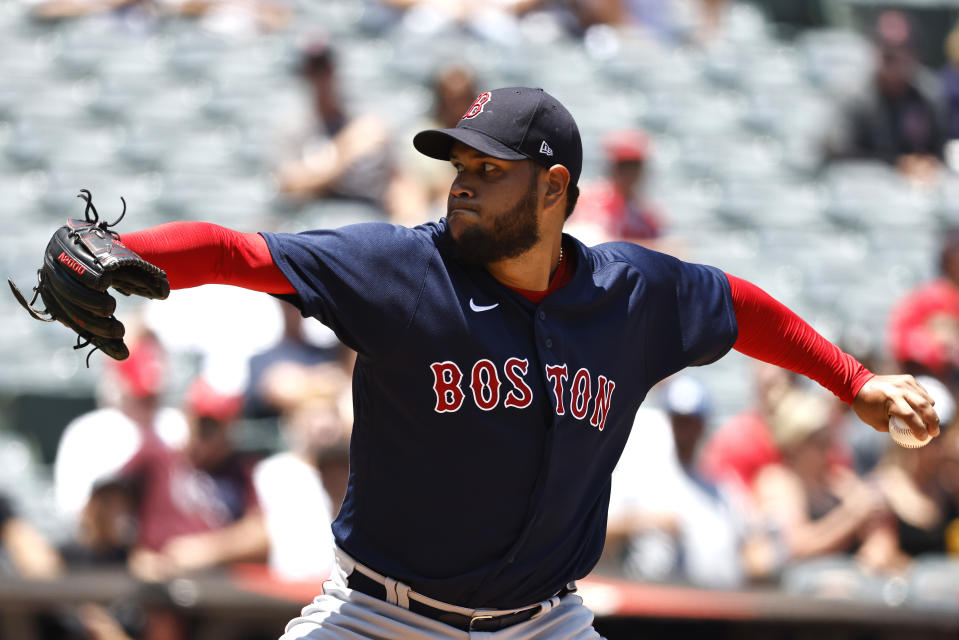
[[770, 332], [197, 253]]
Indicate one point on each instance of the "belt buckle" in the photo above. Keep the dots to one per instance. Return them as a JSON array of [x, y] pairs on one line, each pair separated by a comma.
[[474, 619]]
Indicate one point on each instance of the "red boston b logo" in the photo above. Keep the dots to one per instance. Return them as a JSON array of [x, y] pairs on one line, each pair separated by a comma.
[[477, 107]]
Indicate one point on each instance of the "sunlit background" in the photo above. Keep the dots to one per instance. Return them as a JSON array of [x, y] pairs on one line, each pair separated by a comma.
[[178, 107]]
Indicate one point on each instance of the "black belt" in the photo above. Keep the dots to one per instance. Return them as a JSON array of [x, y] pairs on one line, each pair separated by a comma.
[[365, 584]]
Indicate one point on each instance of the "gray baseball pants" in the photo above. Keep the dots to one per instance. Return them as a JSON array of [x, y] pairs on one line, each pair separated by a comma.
[[344, 613]]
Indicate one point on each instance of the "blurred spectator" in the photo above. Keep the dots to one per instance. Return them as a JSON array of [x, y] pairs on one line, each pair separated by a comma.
[[301, 489], [454, 89], [818, 508], [709, 20], [949, 77], [24, 550], [97, 444], [924, 325], [497, 21], [295, 368], [615, 206], [234, 17], [196, 507], [229, 17], [744, 444], [328, 152], [793, 16], [107, 528], [698, 22], [920, 491], [138, 10], [673, 524], [898, 117]]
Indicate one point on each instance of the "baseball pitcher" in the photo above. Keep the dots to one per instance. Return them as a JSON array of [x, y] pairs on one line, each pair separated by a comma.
[[500, 365]]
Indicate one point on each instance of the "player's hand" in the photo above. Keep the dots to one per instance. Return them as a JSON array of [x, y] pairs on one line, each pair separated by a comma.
[[885, 396]]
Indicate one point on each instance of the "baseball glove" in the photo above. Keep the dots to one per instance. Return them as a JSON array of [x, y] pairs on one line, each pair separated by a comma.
[[82, 260]]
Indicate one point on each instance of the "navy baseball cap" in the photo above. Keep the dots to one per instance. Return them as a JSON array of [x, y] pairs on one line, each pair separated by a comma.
[[513, 123]]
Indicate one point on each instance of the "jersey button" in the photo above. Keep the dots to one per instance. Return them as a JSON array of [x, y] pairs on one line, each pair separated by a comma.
[[549, 343], [542, 315]]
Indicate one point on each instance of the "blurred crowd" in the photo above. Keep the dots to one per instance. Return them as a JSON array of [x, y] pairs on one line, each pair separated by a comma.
[[160, 483], [162, 490]]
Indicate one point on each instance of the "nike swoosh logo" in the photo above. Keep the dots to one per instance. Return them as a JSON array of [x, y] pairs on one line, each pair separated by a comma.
[[478, 308]]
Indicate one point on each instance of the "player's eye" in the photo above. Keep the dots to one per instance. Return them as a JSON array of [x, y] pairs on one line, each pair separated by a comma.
[[458, 167], [489, 167]]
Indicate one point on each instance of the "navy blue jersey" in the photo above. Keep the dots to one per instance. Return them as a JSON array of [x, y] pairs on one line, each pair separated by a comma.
[[486, 426]]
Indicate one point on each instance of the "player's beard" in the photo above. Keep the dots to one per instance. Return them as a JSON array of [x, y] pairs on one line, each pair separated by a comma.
[[513, 232]]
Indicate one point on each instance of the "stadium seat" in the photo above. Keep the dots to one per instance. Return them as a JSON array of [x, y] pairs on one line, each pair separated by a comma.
[[836, 60], [871, 193]]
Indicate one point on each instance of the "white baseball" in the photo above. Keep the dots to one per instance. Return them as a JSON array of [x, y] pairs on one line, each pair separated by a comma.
[[903, 436]]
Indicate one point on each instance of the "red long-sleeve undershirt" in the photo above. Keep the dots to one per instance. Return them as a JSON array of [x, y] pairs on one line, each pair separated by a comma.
[[196, 253], [771, 332]]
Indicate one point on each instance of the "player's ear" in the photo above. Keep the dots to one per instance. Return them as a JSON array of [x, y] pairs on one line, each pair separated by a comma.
[[557, 182]]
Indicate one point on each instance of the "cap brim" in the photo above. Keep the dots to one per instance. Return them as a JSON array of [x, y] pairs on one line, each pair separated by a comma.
[[436, 143]]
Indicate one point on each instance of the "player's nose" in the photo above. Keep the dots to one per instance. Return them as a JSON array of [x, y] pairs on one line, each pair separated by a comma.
[[459, 189]]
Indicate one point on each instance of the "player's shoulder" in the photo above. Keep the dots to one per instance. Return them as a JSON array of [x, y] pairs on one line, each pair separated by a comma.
[[367, 238], [652, 271], [424, 240], [630, 255], [432, 231], [384, 229], [620, 250], [427, 233]]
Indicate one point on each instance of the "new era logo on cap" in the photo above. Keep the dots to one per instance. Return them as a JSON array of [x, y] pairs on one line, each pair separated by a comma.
[[516, 122]]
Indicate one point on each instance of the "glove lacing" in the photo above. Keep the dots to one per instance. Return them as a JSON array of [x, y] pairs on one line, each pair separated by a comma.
[[101, 225]]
